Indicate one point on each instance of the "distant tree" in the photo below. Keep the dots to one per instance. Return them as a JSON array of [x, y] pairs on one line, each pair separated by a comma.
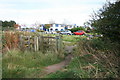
[[47, 26], [8, 23], [76, 29], [107, 21]]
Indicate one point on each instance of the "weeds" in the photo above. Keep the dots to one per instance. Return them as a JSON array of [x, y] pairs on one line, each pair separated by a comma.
[[17, 64], [103, 54]]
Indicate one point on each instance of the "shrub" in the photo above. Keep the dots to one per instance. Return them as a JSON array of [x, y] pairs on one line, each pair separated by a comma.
[[107, 21], [103, 53], [76, 29]]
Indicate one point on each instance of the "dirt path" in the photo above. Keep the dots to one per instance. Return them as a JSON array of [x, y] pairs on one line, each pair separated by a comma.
[[61, 65], [69, 49]]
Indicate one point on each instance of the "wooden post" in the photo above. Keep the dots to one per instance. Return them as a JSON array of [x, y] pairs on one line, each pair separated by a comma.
[[39, 42], [35, 43], [57, 38], [42, 44], [60, 44], [29, 42], [21, 41]]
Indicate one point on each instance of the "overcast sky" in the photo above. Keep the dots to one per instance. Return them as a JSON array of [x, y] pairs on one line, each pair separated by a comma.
[[42, 11]]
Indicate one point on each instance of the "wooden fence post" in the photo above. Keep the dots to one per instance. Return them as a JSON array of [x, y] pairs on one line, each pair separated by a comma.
[[28, 42], [39, 41], [57, 37], [21, 41], [59, 43], [42, 44], [35, 43]]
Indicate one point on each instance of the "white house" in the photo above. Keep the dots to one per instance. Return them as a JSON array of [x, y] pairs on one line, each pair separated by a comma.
[[57, 27]]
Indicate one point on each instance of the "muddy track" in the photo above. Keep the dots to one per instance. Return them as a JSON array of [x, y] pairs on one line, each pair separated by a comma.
[[55, 67]]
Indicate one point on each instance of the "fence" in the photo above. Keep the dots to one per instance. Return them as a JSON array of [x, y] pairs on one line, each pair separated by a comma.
[[41, 43], [31, 41]]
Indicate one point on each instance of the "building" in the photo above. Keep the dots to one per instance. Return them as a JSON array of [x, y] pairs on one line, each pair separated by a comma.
[[48, 27], [56, 27]]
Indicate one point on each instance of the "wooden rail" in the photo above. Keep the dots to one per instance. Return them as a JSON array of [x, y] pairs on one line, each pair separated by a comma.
[[41, 43]]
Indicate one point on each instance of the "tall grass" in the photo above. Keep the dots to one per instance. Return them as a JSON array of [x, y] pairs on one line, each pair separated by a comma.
[[17, 64], [10, 40], [105, 56]]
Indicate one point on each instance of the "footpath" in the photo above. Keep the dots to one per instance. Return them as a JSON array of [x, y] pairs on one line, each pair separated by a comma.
[[55, 67]]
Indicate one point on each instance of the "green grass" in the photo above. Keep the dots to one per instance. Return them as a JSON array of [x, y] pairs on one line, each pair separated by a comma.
[[17, 64], [72, 38]]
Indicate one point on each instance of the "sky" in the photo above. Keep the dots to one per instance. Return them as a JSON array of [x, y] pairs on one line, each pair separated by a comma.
[[44, 11]]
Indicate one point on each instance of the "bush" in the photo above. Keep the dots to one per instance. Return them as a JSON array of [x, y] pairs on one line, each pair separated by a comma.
[[107, 21], [104, 54], [76, 29]]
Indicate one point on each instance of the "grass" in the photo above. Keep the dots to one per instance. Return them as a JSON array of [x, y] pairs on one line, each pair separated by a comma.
[[17, 64], [73, 38]]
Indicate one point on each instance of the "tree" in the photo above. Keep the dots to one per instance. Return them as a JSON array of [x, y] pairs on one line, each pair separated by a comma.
[[107, 21], [8, 23], [47, 26], [76, 29]]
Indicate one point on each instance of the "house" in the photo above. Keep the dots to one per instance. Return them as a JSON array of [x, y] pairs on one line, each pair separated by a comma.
[[56, 27], [17, 26]]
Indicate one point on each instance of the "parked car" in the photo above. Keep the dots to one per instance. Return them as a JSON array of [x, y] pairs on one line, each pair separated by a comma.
[[79, 32], [67, 32]]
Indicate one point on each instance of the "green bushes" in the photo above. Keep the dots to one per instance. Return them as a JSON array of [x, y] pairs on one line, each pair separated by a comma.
[[76, 29], [107, 21]]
